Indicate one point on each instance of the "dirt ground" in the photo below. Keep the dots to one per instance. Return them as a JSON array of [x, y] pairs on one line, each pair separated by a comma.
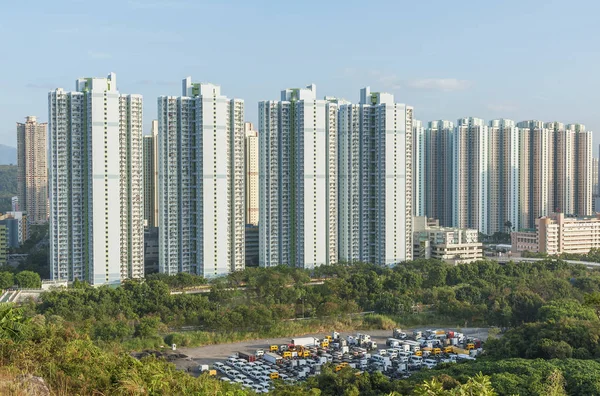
[[210, 354]]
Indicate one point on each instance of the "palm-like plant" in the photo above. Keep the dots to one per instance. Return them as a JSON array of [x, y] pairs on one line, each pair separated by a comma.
[[12, 323]]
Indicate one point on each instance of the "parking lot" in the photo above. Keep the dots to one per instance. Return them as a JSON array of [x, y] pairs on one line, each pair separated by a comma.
[[395, 358], [210, 354]]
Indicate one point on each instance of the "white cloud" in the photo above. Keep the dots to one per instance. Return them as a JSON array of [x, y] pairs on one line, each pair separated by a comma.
[[99, 55], [439, 84], [501, 107], [391, 81]]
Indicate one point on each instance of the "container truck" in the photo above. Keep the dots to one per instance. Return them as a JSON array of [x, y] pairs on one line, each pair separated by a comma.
[[272, 358], [305, 341], [245, 356]]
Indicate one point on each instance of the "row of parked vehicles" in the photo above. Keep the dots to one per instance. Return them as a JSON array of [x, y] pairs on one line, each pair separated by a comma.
[[305, 356]]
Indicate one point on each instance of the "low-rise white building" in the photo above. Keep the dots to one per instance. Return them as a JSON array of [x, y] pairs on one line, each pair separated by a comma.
[[452, 245]]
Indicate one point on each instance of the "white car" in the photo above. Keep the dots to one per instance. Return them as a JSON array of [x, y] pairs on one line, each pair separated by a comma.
[[430, 363], [225, 379]]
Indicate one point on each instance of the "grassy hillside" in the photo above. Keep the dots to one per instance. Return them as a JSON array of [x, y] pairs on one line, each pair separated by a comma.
[[8, 186]]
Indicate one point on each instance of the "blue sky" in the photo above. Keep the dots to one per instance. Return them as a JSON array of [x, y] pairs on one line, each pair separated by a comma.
[[524, 59]]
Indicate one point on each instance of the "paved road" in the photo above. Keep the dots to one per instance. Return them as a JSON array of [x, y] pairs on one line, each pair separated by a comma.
[[212, 353]]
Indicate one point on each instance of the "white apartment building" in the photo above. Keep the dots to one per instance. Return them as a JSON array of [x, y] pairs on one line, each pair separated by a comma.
[[471, 174], [375, 168], [298, 180], [439, 175], [252, 179], [201, 181], [151, 177], [504, 192], [96, 195], [420, 168]]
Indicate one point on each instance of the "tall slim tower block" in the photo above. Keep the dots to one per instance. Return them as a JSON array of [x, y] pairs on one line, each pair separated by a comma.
[[503, 202], [376, 182], [420, 168], [298, 180], [201, 181], [151, 177], [32, 176], [471, 174], [96, 194], [439, 175], [252, 171]]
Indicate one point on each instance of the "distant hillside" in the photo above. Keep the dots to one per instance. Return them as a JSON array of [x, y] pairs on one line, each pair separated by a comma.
[[8, 186], [8, 155]]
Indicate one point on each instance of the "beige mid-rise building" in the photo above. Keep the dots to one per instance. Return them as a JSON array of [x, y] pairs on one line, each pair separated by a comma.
[[452, 245], [557, 233], [32, 171], [252, 178]]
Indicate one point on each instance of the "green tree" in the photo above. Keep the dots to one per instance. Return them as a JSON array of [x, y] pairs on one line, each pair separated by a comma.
[[28, 280], [6, 280]]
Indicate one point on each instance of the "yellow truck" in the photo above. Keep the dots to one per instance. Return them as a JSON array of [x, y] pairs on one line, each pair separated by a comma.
[[274, 348], [436, 351], [274, 375], [287, 355], [460, 351], [470, 346], [448, 349]]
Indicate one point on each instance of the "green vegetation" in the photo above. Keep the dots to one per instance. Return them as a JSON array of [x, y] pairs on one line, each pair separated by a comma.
[[549, 310], [8, 186], [592, 256]]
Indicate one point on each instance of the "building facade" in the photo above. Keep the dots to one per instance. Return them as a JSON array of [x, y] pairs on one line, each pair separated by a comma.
[[298, 180], [252, 171], [151, 177], [201, 181], [439, 176], [557, 233], [420, 168], [375, 179], [96, 194], [504, 189], [32, 176], [3, 245], [471, 174], [452, 245]]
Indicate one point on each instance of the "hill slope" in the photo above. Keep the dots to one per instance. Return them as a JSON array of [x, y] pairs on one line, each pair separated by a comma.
[[8, 186]]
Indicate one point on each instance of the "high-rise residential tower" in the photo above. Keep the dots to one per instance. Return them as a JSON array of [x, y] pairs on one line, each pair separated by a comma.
[[420, 168], [96, 194], [376, 190], [201, 181], [503, 202], [471, 174], [583, 204], [252, 179], [151, 177], [536, 170], [594, 176], [32, 176], [439, 176], [298, 180]]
